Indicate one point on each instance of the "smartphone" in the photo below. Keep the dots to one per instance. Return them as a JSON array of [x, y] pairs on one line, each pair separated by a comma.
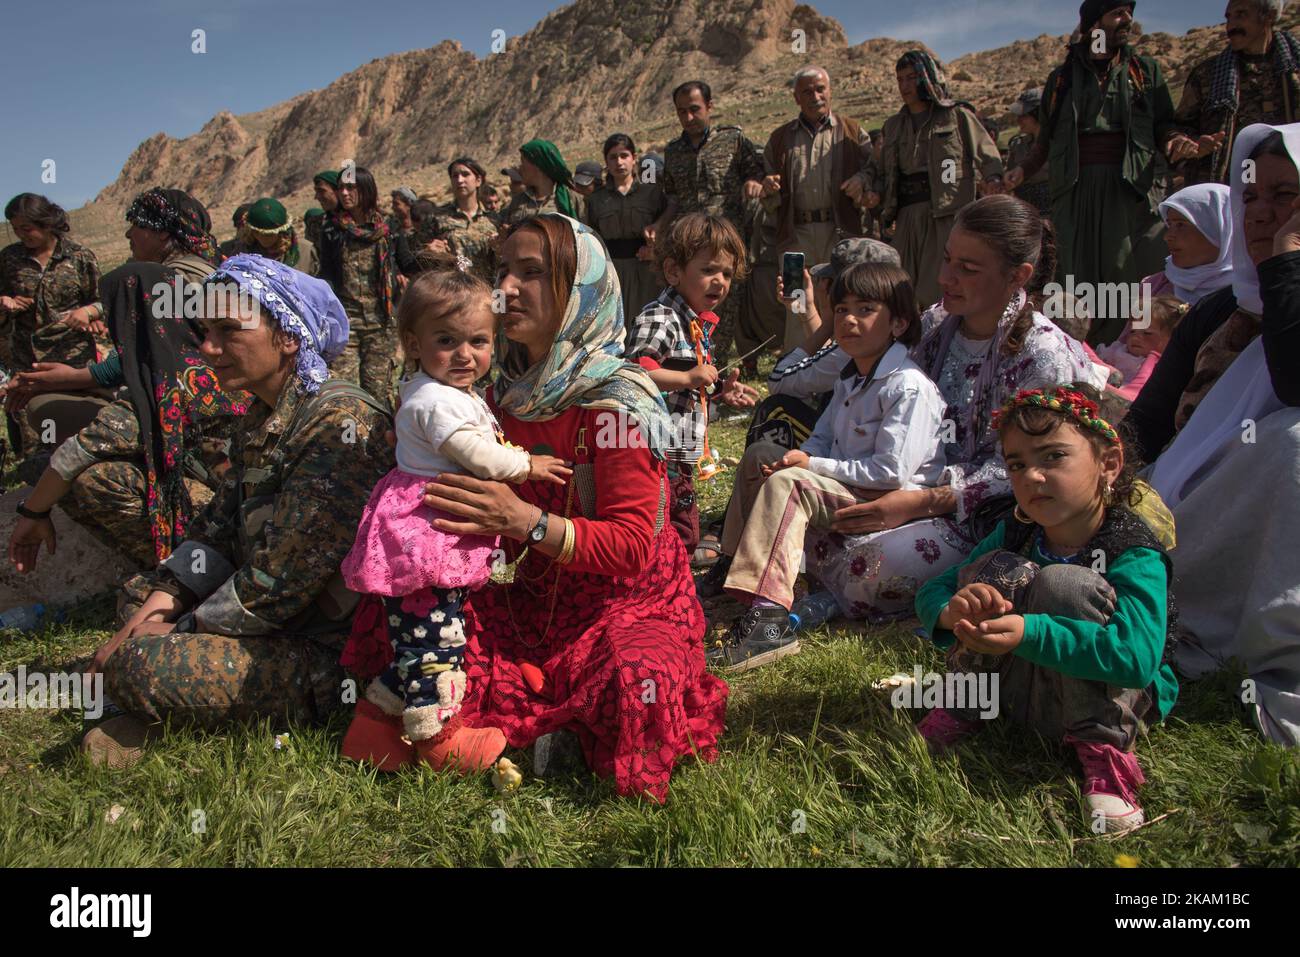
[[792, 274]]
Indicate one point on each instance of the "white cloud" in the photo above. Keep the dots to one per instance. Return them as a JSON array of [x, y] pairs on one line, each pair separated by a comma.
[[954, 28]]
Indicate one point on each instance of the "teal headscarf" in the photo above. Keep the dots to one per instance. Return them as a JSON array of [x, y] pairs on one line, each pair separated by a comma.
[[545, 155], [585, 366]]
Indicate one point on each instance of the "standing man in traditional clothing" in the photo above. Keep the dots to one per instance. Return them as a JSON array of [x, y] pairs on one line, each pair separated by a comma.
[[1256, 79], [1105, 112], [926, 174], [715, 170], [816, 167]]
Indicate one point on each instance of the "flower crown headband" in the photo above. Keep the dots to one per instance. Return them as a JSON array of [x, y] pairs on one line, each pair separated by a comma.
[[1074, 404], [271, 231]]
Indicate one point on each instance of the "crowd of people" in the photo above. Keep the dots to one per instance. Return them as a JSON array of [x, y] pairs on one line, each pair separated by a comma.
[[968, 423]]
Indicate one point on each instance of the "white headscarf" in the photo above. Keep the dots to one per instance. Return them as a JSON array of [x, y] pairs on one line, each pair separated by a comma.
[[1207, 207], [1245, 278], [1245, 390]]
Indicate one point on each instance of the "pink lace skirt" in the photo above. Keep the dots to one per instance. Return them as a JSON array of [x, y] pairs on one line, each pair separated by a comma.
[[398, 551]]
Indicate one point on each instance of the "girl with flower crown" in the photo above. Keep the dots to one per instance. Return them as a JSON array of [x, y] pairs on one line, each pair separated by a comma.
[[1066, 604]]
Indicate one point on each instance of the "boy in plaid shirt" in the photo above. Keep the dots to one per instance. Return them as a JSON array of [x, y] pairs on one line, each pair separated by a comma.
[[700, 256]]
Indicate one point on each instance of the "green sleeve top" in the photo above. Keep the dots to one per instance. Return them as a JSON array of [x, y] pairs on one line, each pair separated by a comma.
[[1126, 651]]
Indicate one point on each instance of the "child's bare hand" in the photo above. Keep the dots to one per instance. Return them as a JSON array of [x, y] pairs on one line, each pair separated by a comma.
[[547, 468], [735, 393], [703, 375], [995, 636], [975, 603]]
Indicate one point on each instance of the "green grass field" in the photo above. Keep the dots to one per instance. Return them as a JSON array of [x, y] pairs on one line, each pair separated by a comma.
[[815, 769]]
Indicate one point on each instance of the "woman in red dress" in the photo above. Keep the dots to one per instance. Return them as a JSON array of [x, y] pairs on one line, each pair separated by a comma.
[[601, 632]]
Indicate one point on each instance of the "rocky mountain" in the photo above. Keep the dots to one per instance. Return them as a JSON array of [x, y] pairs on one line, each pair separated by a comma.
[[586, 70]]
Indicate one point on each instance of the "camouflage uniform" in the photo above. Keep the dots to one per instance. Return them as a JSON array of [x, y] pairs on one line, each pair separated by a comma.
[[471, 238], [370, 357], [708, 179], [1035, 190], [69, 280], [526, 206], [269, 613], [105, 464], [1263, 96]]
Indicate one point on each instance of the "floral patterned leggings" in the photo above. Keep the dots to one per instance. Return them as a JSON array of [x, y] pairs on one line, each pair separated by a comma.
[[425, 683]]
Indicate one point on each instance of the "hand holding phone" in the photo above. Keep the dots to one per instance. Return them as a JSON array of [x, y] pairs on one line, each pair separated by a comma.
[[792, 275]]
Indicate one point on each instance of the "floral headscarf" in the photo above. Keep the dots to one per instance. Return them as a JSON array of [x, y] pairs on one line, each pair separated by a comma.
[[304, 306], [179, 215], [585, 365], [173, 391]]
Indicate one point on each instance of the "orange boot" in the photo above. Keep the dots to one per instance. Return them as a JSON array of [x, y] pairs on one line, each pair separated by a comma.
[[464, 749], [377, 738]]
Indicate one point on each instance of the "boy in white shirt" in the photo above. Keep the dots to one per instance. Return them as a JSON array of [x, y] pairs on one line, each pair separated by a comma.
[[881, 431]]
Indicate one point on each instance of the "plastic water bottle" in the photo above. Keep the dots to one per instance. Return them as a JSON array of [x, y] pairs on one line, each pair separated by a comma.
[[813, 610], [23, 618]]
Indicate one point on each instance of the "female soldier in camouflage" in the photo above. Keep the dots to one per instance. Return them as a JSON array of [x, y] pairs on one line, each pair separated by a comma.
[[247, 616], [49, 296], [464, 227], [151, 458], [356, 259]]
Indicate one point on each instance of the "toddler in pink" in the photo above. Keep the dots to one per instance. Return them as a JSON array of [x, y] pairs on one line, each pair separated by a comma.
[[423, 574]]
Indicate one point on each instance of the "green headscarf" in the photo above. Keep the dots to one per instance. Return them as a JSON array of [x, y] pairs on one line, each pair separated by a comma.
[[585, 364], [267, 218], [546, 156]]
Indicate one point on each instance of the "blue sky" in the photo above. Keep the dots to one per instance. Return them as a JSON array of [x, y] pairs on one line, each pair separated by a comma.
[[89, 80]]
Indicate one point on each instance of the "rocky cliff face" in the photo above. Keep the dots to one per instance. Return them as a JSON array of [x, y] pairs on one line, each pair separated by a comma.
[[583, 72]]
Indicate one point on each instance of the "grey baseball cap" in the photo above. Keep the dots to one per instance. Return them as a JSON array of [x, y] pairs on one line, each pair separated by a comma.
[[513, 173], [587, 172], [1027, 102], [850, 252]]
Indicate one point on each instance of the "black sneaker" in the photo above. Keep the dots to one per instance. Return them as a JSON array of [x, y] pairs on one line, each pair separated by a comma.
[[709, 585], [759, 636]]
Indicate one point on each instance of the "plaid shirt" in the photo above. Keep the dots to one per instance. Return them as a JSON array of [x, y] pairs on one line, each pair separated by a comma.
[[663, 333]]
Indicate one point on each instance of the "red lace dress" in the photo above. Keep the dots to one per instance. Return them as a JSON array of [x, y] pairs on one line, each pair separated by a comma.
[[623, 656]]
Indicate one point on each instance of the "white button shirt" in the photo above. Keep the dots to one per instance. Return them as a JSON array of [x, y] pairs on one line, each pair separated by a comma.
[[881, 432]]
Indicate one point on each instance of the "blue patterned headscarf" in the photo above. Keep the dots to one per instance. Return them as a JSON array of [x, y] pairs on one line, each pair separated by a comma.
[[585, 365], [304, 306]]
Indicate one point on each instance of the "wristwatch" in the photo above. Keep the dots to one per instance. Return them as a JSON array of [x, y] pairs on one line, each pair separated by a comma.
[[538, 531]]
